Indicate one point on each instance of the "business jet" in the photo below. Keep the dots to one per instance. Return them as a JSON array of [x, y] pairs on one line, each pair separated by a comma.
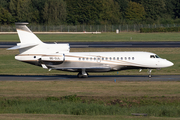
[[58, 56]]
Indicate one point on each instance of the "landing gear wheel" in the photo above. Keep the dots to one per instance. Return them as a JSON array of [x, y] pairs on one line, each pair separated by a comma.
[[149, 72], [79, 75], [149, 76], [83, 74]]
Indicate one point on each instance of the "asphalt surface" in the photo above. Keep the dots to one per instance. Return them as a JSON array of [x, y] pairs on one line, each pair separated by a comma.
[[109, 44], [114, 78]]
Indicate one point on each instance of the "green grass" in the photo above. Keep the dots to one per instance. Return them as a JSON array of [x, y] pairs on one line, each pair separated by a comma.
[[104, 37], [94, 98], [160, 100], [73, 105], [77, 117], [88, 88]]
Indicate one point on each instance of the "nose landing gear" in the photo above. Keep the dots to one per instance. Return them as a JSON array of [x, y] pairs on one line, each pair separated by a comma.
[[149, 72]]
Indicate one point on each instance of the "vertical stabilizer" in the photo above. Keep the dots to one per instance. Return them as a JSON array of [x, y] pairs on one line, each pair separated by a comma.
[[31, 44], [25, 34]]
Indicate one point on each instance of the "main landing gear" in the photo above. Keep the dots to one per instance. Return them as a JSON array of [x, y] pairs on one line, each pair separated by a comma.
[[149, 72], [82, 74]]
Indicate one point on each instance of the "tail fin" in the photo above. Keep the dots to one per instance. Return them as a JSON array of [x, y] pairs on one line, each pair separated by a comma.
[[25, 34], [31, 44], [27, 38]]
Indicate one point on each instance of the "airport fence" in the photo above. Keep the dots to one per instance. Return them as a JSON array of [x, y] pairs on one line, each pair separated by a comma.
[[87, 28]]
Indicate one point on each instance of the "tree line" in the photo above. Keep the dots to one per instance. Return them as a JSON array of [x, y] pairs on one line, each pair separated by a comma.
[[90, 12]]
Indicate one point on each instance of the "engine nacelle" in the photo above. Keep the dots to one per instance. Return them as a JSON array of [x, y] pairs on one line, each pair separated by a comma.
[[52, 59]]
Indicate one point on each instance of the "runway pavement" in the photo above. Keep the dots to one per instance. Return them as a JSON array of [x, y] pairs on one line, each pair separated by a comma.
[[112, 78], [109, 44]]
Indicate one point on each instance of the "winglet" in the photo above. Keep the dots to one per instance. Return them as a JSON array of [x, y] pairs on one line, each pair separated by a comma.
[[22, 26]]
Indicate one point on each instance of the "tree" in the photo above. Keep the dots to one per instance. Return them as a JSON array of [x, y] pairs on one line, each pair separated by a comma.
[[92, 11], [177, 9], [135, 11], [54, 12], [24, 10], [80, 11], [38, 6], [110, 12], [5, 16], [154, 8], [13, 9], [123, 4], [21, 10], [4, 3]]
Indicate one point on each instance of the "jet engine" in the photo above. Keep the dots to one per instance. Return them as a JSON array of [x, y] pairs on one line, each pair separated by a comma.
[[52, 59]]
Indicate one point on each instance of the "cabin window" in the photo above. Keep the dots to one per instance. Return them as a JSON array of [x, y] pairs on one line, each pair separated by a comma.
[[34, 56], [114, 58], [117, 58], [79, 58], [90, 58], [83, 58], [121, 58], [125, 58], [102, 58], [132, 58], [86, 58], [106, 58], [110, 58], [94, 58], [152, 56], [129, 58]]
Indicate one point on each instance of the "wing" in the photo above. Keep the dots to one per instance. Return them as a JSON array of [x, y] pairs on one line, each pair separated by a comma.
[[88, 69]]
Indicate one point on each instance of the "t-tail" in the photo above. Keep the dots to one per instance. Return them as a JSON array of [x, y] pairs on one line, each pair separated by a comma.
[[31, 44]]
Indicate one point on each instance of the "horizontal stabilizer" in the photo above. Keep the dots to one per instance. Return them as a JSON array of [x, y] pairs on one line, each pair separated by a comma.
[[20, 46]]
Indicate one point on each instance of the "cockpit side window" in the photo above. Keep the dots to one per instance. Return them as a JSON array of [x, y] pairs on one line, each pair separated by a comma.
[[152, 56]]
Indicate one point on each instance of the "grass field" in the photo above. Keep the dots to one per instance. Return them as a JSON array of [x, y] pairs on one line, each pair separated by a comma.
[[96, 100], [75, 117], [104, 37], [93, 99], [98, 89]]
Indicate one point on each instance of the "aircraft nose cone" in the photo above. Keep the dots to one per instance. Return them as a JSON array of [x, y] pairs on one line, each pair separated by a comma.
[[169, 63], [165, 63]]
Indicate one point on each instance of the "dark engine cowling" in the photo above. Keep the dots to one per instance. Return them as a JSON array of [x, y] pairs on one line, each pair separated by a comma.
[[52, 59]]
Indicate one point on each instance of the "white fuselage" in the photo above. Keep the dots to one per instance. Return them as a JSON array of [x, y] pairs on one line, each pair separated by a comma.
[[103, 61]]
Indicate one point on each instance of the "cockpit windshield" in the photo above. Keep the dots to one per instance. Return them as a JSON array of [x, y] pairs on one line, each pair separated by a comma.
[[154, 56], [157, 56]]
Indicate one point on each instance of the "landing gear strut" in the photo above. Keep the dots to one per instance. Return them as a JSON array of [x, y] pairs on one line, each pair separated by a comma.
[[82, 74], [149, 72]]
